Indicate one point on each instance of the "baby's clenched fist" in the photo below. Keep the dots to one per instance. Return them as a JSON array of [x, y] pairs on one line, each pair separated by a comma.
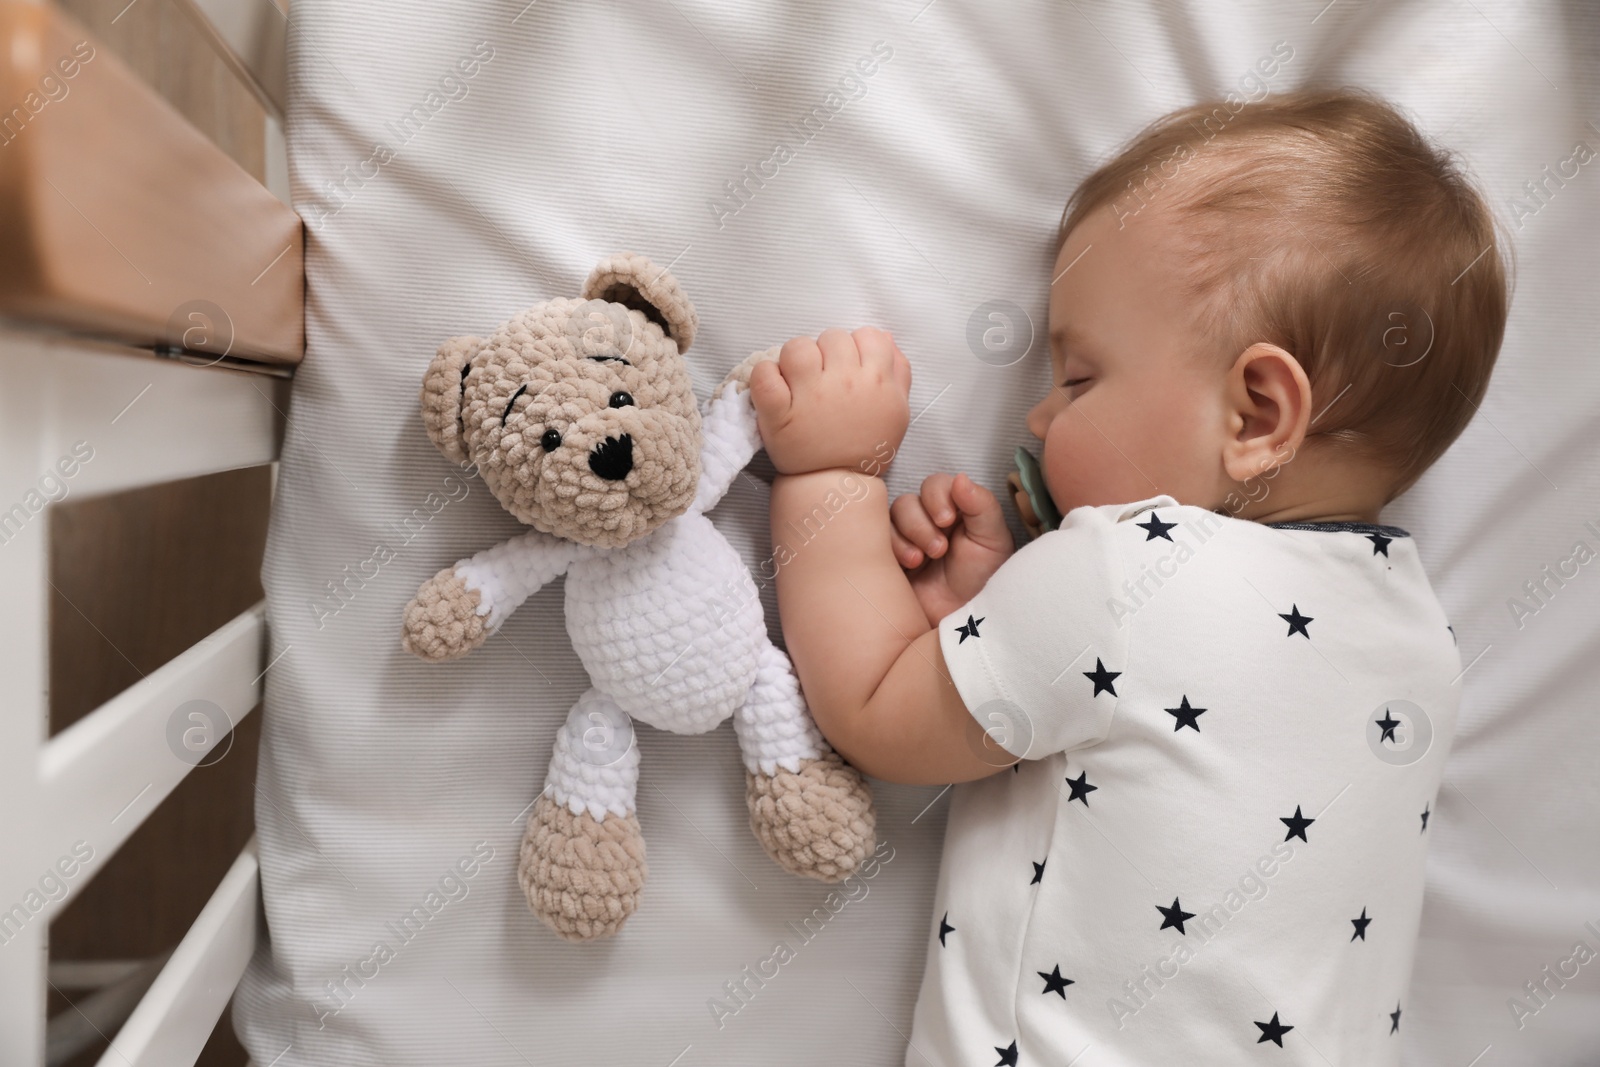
[[952, 537], [840, 400]]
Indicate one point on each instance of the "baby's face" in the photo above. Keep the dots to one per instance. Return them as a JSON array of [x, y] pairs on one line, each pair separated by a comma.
[[1136, 405]]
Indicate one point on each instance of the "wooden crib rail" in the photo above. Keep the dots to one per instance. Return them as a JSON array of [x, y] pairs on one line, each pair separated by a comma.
[[250, 36], [121, 221]]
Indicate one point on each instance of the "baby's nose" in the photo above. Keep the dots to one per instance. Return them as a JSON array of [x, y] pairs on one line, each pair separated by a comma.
[[612, 458]]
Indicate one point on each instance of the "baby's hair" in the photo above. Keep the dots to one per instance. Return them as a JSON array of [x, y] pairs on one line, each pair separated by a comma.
[[1325, 223]]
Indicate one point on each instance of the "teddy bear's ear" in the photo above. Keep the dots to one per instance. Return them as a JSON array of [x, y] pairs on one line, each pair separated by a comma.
[[442, 391], [630, 279]]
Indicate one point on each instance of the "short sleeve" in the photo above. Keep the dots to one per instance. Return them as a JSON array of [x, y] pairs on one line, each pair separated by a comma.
[[1037, 653]]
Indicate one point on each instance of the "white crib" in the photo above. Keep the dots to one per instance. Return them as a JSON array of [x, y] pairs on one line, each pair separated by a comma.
[[150, 314]]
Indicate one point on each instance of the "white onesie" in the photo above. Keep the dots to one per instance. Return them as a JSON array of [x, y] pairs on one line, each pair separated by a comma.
[[1212, 852]]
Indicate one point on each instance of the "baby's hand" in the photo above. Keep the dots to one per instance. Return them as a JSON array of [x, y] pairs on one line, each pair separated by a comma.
[[838, 401], [951, 538]]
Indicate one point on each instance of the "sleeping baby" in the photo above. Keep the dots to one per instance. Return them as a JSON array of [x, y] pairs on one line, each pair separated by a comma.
[[1199, 725]]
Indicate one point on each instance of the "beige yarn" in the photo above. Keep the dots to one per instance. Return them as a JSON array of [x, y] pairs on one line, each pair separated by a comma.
[[442, 620], [582, 878], [441, 395], [818, 822], [631, 280], [740, 374], [538, 373]]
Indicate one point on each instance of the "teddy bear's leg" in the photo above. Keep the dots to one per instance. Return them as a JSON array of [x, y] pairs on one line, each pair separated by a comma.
[[582, 864], [810, 810]]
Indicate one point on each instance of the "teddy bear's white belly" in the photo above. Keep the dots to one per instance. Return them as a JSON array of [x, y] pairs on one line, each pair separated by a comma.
[[671, 628]]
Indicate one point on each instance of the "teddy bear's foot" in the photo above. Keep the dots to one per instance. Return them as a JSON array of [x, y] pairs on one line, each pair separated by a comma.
[[818, 821], [582, 875]]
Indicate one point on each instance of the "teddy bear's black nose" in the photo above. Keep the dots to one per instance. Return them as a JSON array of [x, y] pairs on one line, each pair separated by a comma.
[[612, 458]]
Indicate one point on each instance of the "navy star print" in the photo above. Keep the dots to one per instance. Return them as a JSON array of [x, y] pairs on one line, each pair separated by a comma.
[[1360, 925], [1297, 622], [1185, 716], [1038, 872], [1081, 788], [1102, 678], [1388, 722], [1380, 543], [968, 629], [945, 928], [1297, 825], [1008, 1055], [1174, 916], [1054, 983], [1156, 528], [1273, 1031]]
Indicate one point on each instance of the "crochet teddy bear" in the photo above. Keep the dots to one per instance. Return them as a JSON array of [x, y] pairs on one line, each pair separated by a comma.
[[581, 418]]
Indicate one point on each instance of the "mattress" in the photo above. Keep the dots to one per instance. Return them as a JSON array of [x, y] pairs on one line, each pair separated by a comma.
[[801, 166]]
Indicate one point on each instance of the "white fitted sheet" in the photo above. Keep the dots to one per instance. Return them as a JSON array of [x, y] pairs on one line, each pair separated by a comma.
[[607, 126]]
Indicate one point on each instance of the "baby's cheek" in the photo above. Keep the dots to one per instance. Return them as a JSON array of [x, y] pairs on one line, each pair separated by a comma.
[[1086, 464]]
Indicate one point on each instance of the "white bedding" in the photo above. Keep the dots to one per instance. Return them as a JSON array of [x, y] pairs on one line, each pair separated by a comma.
[[557, 133]]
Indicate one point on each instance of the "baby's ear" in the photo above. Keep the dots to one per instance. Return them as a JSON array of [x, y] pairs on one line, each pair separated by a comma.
[[631, 280], [442, 390]]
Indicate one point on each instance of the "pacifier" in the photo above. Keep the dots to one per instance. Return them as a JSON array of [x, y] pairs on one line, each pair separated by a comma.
[[1032, 477]]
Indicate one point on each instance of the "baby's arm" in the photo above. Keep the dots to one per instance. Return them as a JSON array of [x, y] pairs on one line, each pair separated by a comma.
[[861, 640]]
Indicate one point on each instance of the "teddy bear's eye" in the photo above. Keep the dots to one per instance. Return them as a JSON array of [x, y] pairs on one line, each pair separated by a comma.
[[550, 441], [620, 399]]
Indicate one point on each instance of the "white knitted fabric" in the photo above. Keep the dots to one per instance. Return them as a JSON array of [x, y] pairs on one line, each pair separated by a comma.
[[730, 437], [594, 766], [669, 627], [512, 571], [770, 735]]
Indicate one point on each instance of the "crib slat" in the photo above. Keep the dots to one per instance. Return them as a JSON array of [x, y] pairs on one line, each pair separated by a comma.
[[142, 420], [170, 1026], [251, 37], [103, 775]]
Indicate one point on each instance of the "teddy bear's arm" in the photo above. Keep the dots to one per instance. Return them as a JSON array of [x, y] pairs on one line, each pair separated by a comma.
[[730, 439], [512, 571], [457, 609], [729, 430]]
